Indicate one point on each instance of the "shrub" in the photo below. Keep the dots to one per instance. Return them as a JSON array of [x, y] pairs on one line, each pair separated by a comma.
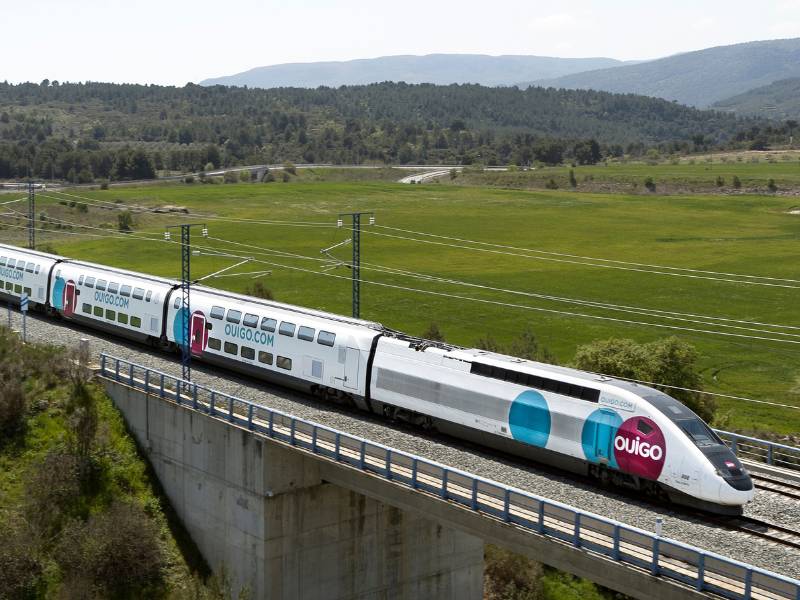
[[285, 177], [551, 184], [649, 184], [433, 333], [21, 565], [188, 179], [771, 186], [737, 183], [572, 181], [510, 576], [259, 290], [289, 168], [125, 221], [230, 177], [115, 552], [13, 401], [244, 176], [104, 185], [51, 493], [720, 181]]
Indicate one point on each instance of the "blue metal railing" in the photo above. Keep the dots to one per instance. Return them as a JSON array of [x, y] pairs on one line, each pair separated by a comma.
[[663, 557], [762, 451]]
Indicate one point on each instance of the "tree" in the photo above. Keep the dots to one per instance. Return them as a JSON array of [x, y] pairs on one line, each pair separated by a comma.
[[587, 153], [720, 181], [573, 183], [259, 290], [737, 183], [125, 221], [668, 361]]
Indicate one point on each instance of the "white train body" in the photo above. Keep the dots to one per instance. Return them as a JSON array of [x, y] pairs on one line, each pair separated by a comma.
[[632, 434]]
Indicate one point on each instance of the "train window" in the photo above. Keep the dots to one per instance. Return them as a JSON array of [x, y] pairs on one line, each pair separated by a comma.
[[698, 432], [125, 290], [264, 357], [248, 353], [326, 338], [643, 427], [122, 318], [148, 296], [3, 260], [101, 285], [36, 269], [28, 291], [214, 343], [590, 394], [29, 267], [138, 293], [231, 348], [306, 333], [87, 308], [177, 303], [234, 316], [90, 282], [217, 312], [12, 262], [17, 289], [21, 265], [136, 321], [284, 363], [111, 315], [80, 279], [316, 369], [250, 320], [113, 288], [9, 285], [287, 328], [268, 324], [98, 311]]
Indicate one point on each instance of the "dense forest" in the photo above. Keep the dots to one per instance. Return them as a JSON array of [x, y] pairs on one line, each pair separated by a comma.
[[88, 131]]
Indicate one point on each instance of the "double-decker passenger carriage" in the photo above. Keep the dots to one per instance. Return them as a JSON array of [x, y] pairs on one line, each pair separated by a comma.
[[129, 304], [25, 271], [309, 350], [629, 434]]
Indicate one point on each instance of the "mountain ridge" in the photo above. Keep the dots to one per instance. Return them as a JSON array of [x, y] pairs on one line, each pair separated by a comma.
[[441, 69], [698, 78]]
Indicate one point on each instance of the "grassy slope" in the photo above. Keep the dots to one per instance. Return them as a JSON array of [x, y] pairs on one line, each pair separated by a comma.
[[739, 234]]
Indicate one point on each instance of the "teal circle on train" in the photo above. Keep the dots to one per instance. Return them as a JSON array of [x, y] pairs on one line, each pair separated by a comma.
[[177, 325], [597, 437], [529, 419], [58, 293]]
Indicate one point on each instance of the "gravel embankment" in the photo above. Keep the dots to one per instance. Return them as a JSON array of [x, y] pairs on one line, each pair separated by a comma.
[[537, 480]]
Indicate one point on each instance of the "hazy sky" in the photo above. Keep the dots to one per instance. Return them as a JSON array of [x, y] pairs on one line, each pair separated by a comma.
[[172, 42]]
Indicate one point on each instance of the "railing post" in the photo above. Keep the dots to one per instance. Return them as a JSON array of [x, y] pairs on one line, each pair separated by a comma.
[[735, 447], [116, 371], [250, 416], [444, 484], [414, 468], [615, 552], [576, 538], [161, 387], [230, 409], [474, 494], [314, 440], [362, 454], [147, 381], [701, 572], [507, 505], [338, 445], [389, 464], [291, 432], [103, 364], [748, 584], [770, 454], [194, 396], [271, 424], [130, 374], [540, 524], [656, 550]]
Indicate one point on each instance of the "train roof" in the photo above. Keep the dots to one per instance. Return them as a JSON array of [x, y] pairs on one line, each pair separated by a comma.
[[125, 272], [289, 307], [37, 253]]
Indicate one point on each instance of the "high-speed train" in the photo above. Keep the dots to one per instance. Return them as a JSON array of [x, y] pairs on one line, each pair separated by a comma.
[[616, 431]]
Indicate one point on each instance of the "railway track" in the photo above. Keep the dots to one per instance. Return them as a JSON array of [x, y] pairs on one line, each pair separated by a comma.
[[763, 529], [776, 486]]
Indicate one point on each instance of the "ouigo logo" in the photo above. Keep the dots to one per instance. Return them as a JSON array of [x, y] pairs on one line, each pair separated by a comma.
[[639, 447]]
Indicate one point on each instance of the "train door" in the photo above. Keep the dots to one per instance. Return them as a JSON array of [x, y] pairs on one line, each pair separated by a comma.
[[69, 299], [198, 333], [351, 368], [605, 427]]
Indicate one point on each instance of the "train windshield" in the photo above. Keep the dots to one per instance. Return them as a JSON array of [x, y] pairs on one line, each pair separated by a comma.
[[698, 432]]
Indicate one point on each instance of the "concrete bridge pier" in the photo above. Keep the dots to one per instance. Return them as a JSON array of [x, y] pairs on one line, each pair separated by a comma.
[[267, 514]]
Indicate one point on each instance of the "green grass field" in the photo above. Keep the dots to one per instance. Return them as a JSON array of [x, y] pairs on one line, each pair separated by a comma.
[[734, 234]]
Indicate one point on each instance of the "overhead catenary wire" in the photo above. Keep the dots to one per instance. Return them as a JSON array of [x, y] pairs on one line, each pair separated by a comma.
[[608, 260], [585, 263]]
